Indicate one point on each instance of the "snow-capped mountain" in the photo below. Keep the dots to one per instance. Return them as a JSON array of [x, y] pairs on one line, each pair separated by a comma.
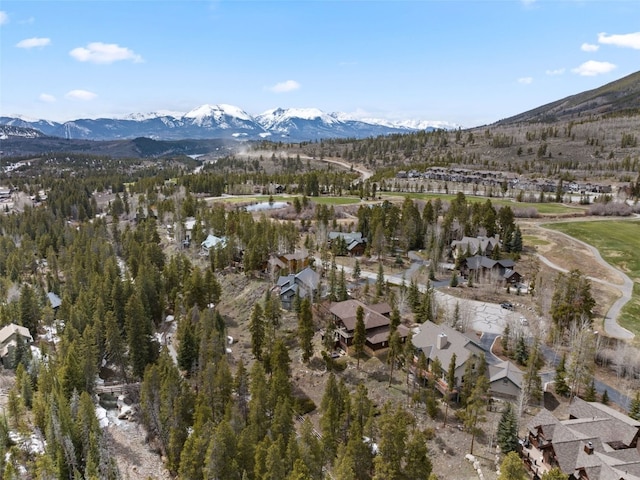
[[222, 121], [8, 131]]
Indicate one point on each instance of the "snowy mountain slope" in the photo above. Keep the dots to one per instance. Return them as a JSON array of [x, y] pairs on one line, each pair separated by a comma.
[[219, 121], [12, 131]]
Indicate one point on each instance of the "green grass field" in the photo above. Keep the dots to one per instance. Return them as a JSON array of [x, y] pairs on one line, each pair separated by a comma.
[[619, 244], [542, 208]]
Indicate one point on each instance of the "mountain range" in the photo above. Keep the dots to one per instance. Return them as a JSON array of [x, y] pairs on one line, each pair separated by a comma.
[[219, 122]]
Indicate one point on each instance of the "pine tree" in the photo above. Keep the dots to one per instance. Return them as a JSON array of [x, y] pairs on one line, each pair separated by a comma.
[[532, 382], [605, 397], [418, 464], [305, 329], [356, 271], [521, 354], [504, 339], [473, 413], [395, 348], [561, 386], [257, 329], [507, 434], [591, 392], [451, 385], [220, 455], [187, 346], [391, 444], [380, 283], [634, 408], [343, 294], [359, 335]]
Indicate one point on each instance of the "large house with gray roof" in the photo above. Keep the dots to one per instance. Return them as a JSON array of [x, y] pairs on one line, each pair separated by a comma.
[[302, 284], [347, 243], [481, 267], [480, 245], [596, 442], [442, 342]]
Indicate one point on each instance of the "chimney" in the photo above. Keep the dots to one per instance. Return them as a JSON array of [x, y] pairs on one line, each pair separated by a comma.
[[588, 448], [441, 341]]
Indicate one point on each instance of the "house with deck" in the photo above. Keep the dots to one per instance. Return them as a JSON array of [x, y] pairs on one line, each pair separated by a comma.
[[377, 324]]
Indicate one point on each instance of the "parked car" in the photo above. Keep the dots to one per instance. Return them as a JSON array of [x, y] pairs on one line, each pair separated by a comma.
[[507, 305]]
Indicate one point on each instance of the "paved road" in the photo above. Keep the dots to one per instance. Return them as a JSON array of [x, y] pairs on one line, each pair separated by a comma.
[[553, 359], [611, 325], [490, 319]]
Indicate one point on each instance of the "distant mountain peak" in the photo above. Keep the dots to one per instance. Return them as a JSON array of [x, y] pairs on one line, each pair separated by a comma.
[[217, 111]]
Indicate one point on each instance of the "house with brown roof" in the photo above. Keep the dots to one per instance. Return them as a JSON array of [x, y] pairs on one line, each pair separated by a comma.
[[596, 442], [289, 262], [377, 323]]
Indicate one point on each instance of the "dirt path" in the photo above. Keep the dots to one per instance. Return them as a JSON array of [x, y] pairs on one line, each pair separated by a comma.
[[611, 325]]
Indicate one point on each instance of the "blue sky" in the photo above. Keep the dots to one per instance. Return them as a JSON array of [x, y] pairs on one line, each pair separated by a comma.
[[464, 62]]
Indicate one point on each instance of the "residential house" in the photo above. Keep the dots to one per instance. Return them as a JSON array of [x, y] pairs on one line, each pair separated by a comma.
[[596, 442], [480, 245], [210, 243], [10, 335], [441, 342], [505, 380], [302, 284], [291, 262], [377, 324], [482, 267], [54, 300], [347, 243]]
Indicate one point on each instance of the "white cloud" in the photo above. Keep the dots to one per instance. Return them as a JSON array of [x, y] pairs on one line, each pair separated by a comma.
[[98, 52], [4, 18], [589, 47], [525, 80], [33, 42], [45, 97], [593, 68], [83, 95], [283, 87], [557, 71], [629, 40]]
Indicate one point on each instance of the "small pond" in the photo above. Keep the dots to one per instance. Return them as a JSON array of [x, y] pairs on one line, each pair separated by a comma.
[[257, 207]]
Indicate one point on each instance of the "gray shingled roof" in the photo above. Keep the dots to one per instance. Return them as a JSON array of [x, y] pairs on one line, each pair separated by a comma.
[[507, 370], [476, 244], [349, 237], [625, 427], [426, 340], [602, 427]]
